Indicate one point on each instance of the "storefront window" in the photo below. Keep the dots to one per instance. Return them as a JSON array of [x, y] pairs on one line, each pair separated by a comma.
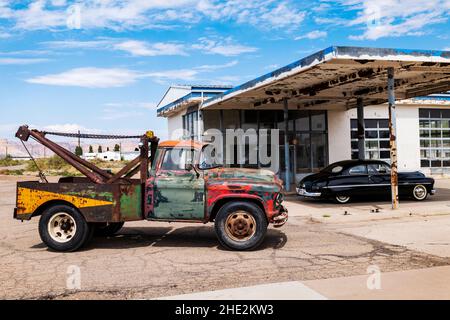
[[434, 137], [190, 121], [376, 139]]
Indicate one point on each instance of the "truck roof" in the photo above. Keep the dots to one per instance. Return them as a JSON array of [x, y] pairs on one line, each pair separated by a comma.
[[181, 144]]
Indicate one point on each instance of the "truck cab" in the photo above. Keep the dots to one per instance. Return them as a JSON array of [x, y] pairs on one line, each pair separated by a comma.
[[187, 184]]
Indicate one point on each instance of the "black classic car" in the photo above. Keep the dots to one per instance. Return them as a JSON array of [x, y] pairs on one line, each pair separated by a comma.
[[349, 179]]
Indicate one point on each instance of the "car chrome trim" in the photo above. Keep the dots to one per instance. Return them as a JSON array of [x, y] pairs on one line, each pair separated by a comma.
[[373, 185], [304, 193]]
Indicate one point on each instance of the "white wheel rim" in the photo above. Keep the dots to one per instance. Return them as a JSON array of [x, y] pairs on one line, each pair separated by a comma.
[[342, 199], [420, 192], [62, 227]]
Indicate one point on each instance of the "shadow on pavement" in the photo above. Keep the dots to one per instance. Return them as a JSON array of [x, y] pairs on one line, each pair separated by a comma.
[[166, 237], [442, 194]]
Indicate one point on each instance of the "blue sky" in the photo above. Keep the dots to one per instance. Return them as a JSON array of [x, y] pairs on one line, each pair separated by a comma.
[[102, 65]]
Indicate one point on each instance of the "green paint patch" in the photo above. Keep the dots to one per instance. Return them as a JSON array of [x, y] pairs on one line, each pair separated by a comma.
[[131, 203]]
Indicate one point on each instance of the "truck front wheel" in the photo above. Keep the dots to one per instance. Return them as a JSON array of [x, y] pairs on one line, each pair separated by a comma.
[[63, 228], [240, 225]]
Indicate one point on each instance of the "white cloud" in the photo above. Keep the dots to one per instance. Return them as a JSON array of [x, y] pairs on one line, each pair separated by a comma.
[[181, 74], [134, 47], [264, 14], [121, 110], [58, 3], [386, 18], [8, 127], [69, 128], [143, 14], [316, 34], [144, 49], [77, 44], [212, 67], [224, 47], [92, 77], [89, 78], [21, 61]]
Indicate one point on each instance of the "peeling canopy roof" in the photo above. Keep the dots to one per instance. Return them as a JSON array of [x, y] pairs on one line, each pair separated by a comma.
[[196, 94], [335, 77]]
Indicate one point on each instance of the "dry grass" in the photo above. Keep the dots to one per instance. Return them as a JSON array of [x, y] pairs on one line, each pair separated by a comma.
[[55, 166]]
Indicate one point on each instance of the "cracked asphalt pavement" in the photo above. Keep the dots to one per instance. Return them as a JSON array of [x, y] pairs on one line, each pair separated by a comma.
[[149, 260]]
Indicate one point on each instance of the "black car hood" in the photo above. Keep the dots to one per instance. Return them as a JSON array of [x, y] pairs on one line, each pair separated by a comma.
[[316, 177]]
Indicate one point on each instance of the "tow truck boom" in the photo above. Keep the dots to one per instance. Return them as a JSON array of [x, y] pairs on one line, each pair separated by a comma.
[[91, 171]]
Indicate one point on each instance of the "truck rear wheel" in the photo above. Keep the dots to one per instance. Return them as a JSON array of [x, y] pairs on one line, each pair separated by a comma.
[[63, 228], [107, 229], [240, 225]]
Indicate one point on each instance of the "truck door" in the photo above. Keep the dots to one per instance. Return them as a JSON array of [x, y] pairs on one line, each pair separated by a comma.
[[178, 192]]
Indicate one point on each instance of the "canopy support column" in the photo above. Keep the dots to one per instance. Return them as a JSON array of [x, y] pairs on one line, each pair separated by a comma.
[[361, 130], [393, 137], [287, 165]]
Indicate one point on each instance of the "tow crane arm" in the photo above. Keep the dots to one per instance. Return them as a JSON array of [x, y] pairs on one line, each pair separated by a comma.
[[148, 144]]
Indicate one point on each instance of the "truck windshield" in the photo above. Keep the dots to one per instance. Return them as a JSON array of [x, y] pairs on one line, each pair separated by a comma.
[[209, 158]]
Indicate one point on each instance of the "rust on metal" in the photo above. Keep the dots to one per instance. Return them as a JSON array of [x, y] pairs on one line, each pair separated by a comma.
[[393, 138], [91, 171]]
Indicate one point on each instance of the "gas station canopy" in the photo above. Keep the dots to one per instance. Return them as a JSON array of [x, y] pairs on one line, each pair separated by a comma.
[[336, 77]]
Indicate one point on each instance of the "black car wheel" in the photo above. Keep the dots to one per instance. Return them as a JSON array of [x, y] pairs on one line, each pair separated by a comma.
[[240, 225], [342, 199], [420, 192], [63, 228]]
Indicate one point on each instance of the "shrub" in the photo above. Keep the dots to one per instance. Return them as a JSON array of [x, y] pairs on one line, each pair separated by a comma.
[[8, 161]]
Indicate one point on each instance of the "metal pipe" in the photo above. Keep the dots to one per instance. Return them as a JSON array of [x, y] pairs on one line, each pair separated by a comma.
[[144, 159], [125, 170], [286, 146], [361, 130], [82, 161], [393, 137], [221, 125]]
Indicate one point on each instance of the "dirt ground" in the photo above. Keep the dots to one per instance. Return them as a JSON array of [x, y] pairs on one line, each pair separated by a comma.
[[148, 259]]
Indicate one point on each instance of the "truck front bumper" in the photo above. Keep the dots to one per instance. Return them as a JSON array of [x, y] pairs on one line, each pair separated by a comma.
[[281, 218]]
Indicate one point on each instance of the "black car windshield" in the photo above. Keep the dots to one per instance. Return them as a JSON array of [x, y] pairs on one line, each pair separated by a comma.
[[209, 159]]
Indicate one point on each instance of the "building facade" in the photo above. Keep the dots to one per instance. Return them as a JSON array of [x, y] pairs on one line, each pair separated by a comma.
[[326, 120], [320, 137]]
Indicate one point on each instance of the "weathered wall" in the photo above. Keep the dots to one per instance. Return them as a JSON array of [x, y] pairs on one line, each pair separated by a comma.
[[339, 147], [408, 143], [175, 126]]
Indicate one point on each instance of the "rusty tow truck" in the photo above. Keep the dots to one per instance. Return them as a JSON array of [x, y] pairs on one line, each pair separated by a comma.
[[240, 202]]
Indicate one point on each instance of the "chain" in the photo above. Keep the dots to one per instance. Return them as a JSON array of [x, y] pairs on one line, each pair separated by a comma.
[[90, 136], [41, 173]]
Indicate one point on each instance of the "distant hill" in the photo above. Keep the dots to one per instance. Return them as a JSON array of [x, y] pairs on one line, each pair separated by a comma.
[[15, 148]]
